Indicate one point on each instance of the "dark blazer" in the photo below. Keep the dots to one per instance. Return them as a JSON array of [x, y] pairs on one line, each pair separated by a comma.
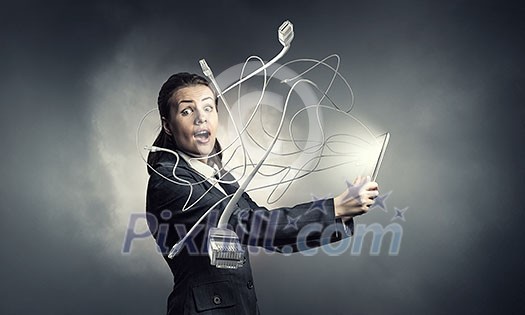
[[200, 288]]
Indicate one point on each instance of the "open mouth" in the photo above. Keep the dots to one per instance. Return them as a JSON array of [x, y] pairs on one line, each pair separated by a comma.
[[202, 136]]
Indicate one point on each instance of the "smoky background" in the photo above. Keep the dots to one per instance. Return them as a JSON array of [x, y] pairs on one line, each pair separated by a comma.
[[446, 79]]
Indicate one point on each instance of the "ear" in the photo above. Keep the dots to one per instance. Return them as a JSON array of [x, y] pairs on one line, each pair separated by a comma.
[[166, 126]]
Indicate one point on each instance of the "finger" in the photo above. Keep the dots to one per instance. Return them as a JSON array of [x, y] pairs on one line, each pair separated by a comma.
[[371, 186], [372, 194], [367, 198]]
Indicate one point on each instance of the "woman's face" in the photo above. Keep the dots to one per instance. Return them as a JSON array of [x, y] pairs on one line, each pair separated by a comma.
[[193, 120]]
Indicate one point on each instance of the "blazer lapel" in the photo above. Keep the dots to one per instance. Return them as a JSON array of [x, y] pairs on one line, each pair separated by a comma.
[[229, 188]]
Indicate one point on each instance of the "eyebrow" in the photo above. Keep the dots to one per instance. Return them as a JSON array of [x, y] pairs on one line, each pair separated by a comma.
[[191, 101]]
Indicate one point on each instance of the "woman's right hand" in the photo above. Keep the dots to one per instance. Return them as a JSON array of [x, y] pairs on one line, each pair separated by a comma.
[[357, 198]]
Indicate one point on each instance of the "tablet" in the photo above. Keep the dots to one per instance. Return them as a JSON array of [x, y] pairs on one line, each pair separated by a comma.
[[381, 154]]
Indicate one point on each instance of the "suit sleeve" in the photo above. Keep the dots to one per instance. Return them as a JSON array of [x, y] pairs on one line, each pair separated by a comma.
[[296, 228]]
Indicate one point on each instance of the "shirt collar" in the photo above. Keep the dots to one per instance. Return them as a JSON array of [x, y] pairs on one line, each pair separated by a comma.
[[202, 168]]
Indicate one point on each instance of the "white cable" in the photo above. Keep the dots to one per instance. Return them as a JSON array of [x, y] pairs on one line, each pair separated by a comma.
[[286, 35], [326, 143], [230, 207]]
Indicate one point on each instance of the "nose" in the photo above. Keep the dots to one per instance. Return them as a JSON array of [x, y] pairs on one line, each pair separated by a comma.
[[201, 117]]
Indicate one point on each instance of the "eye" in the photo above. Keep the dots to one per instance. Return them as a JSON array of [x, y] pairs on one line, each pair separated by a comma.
[[208, 108], [186, 111]]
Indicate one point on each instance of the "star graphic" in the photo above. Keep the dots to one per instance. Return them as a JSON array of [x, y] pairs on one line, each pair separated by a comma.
[[380, 202], [292, 222], [349, 184], [318, 204], [352, 191], [400, 213]]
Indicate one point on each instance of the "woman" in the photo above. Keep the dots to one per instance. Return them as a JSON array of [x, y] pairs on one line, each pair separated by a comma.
[[188, 111]]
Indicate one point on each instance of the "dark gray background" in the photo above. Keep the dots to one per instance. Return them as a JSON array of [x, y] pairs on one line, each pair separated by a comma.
[[444, 77]]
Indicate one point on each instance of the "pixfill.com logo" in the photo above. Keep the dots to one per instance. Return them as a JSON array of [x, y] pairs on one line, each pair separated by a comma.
[[267, 239]]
